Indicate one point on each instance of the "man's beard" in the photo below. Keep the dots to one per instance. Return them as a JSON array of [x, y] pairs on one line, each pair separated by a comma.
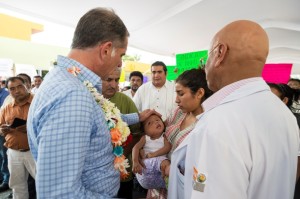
[[134, 88]]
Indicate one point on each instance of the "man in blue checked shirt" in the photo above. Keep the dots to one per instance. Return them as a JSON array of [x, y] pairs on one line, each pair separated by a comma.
[[68, 134]]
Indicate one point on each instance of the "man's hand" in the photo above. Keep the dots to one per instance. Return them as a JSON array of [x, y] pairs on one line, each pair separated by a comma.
[[147, 113], [22, 128], [4, 129]]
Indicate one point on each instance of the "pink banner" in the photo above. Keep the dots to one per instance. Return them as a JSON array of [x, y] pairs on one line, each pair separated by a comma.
[[277, 73]]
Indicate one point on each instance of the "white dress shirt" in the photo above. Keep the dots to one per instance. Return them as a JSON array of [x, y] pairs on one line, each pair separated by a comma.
[[128, 93], [162, 100]]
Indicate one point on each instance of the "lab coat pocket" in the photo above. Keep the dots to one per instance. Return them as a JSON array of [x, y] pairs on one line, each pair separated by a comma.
[[180, 185]]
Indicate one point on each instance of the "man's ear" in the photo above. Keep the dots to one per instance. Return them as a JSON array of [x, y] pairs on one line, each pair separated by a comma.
[[221, 53], [105, 49]]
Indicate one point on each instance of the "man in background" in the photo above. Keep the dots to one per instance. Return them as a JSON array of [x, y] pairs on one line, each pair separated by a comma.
[[4, 173], [294, 83], [37, 80], [136, 80], [27, 81], [3, 83], [9, 99], [159, 94], [20, 160]]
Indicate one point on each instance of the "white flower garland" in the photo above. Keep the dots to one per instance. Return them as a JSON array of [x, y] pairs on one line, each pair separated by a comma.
[[119, 130]]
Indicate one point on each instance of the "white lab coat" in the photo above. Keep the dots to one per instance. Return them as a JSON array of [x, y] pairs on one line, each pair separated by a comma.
[[246, 146]]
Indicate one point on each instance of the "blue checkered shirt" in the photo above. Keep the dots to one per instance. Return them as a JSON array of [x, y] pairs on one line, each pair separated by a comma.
[[69, 137]]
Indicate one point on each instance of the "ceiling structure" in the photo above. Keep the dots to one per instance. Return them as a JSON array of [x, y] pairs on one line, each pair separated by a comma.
[[169, 27]]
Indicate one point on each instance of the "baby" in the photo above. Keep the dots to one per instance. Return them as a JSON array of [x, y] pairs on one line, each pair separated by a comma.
[[152, 148]]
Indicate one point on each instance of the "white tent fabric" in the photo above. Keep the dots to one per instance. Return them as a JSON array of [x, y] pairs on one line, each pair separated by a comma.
[[170, 27]]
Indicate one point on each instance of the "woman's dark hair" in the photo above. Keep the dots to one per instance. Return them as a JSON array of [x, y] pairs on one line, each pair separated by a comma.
[[195, 79], [285, 91]]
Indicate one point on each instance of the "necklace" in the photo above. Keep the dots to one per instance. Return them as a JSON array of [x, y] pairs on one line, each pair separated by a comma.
[[119, 130]]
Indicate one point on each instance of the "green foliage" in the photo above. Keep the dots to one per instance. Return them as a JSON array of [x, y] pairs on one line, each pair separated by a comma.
[[131, 58]]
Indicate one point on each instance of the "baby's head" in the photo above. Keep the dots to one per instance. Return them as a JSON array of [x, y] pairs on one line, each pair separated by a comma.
[[154, 126]]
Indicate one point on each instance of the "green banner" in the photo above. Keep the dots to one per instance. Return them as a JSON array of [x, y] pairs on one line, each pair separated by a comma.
[[171, 74], [186, 61], [190, 60]]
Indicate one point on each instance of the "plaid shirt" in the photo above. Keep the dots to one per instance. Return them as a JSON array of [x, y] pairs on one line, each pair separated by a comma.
[[69, 137]]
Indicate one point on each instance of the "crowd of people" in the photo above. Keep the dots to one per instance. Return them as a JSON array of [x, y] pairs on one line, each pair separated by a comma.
[[215, 132]]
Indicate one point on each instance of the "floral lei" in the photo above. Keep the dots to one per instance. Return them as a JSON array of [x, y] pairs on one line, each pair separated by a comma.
[[119, 130]]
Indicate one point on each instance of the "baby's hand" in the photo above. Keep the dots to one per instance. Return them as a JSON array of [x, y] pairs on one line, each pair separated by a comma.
[[137, 168], [150, 155]]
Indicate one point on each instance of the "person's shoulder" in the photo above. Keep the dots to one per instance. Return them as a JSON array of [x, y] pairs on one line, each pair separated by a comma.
[[142, 88], [4, 91], [146, 85], [61, 85], [123, 97], [127, 92], [61, 81], [170, 83]]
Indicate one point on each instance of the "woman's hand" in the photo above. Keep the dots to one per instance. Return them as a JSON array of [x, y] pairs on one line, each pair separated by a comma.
[[165, 169]]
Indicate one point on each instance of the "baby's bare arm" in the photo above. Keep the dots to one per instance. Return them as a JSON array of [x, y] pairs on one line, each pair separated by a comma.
[[136, 149], [136, 164]]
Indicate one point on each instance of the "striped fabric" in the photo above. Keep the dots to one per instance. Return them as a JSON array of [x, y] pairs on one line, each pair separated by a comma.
[[216, 98], [173, 132]]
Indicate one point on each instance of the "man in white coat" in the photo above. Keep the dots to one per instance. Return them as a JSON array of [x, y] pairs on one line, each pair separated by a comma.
[[245, 144], [159, 94]]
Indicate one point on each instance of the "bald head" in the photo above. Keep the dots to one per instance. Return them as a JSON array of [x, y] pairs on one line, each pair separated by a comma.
[[238, 51]]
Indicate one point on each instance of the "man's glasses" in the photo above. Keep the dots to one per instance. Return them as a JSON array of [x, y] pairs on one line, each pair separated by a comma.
[[202, 62]]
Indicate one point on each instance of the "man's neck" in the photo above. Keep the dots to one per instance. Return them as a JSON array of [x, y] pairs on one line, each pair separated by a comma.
[[158, 86], [132, 92]]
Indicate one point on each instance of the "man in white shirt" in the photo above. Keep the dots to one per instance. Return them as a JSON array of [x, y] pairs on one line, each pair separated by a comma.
[[136, 80], [37, 82], [245, 144], [159, 94]]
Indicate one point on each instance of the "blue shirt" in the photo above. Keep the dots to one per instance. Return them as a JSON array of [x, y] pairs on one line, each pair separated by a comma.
[[69, 137], [3, 94]]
